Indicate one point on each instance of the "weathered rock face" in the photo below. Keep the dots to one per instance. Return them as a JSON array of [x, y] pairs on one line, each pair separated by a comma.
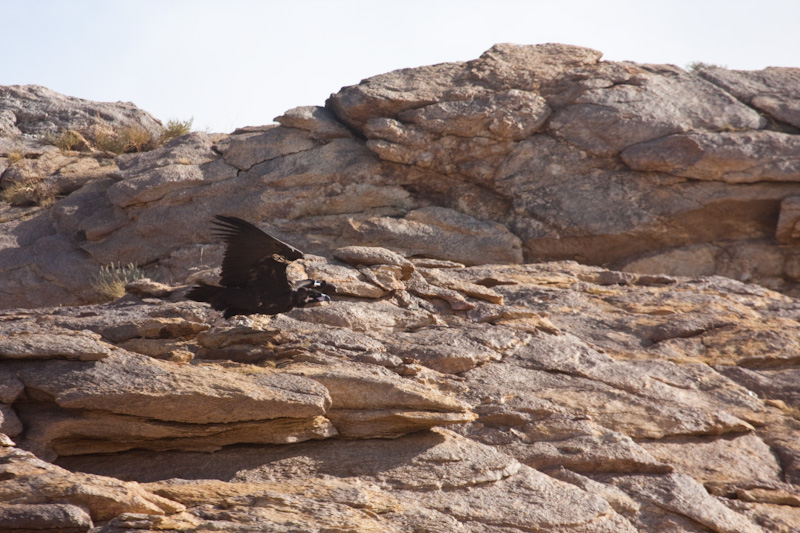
[[34, 110], [528, 153], [572, 398], [454, 383]]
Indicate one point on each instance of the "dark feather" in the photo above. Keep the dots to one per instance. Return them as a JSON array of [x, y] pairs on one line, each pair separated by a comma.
[[253, 277], [242, 300], [252, 256]]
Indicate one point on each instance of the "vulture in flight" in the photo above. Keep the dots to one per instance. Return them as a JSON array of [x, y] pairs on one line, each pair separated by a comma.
[[253, 278]]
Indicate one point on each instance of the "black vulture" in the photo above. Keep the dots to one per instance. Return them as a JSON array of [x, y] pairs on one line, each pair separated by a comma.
[[253, 278]]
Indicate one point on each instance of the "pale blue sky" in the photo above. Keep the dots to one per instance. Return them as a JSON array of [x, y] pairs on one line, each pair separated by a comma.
[[237, 63]]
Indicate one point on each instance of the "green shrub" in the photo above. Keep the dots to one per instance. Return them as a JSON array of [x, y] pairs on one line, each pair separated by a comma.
[[176, 128]]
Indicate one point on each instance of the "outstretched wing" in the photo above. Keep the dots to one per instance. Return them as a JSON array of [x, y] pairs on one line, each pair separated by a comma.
[[252, 256]]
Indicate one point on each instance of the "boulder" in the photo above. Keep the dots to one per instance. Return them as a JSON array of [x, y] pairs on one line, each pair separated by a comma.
[[773, 90], [737, 157], [319, 121], [655, 102], [39, 486], [67, 344], [32, 109], [440, 232], [44, 517]]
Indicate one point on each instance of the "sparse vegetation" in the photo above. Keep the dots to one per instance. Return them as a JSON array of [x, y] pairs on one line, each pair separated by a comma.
[[110, 281], [117, 140], [16, 194], [122, 140], [176, 128], [697, 66], [136, 138], [15, 157], [108, 140], [29, 192], [65, 141]]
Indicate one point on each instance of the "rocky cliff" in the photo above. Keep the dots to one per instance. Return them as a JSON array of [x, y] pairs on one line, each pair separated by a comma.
[[470, 375]]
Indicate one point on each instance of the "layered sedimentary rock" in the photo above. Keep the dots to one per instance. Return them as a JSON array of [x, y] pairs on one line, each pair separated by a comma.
[[460, 380], [557, 396]]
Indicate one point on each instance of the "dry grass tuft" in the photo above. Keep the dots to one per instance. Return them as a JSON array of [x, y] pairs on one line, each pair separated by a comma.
[[117, 140], [122, 140], [15, 157], [110, 281], [29, 192], [66, 141], [137, 138]]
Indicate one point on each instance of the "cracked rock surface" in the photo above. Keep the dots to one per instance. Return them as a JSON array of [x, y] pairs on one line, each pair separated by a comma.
[[574, 399], [469, 375]]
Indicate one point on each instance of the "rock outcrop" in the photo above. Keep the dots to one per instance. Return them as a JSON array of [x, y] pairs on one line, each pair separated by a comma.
[[469, 375], [517, 397], [528, 153]]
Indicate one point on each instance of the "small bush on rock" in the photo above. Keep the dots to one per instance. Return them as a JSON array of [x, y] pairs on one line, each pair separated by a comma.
[[66, 141], [697, 66], [110, 281], [176, 128], [15, 157], [137, 138], [122, 140], [29, 192]]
